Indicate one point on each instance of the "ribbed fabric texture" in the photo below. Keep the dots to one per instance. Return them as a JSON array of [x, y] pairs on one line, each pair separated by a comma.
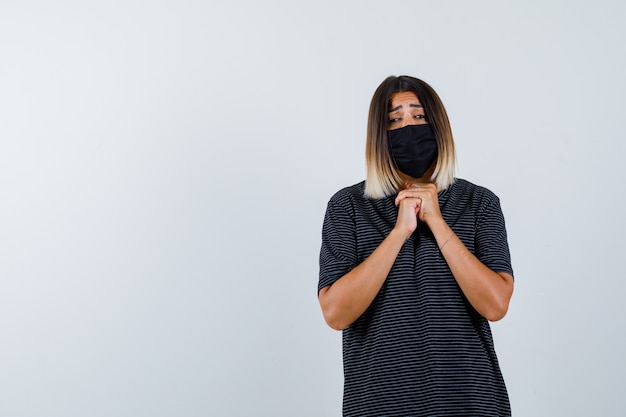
[[420, 349]]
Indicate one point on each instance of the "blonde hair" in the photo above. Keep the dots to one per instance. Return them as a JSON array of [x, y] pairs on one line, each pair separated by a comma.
[[383, 178]]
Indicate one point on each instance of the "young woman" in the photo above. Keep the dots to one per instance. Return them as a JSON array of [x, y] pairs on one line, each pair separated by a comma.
[[414, 263]]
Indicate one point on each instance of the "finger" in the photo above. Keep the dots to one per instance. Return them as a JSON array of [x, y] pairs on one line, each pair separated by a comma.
[[407, 194], [402, 196], [412, 204]]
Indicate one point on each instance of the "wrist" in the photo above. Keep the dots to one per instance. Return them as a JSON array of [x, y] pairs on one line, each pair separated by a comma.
[[400, 234], [450, 236], [439, 227]]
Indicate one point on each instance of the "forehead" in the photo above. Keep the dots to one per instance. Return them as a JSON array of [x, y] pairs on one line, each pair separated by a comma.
[[402, 99]]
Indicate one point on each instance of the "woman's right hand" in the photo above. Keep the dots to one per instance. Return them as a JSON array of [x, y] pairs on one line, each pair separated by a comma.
[[408, 210]]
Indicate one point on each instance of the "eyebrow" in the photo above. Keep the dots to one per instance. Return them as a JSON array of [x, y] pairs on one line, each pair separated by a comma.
[[417, 106]]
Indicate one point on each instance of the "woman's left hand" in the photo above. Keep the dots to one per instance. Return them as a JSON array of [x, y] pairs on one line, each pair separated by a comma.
[[429, 206]]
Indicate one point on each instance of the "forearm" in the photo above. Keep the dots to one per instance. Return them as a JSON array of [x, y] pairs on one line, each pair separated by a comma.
[[347, 298], [489, 292]]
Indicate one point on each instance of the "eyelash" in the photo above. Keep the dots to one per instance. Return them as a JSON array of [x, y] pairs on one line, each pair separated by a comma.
[[417, 116]]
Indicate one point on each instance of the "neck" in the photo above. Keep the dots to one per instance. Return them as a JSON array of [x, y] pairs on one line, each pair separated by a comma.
[[424, 179]]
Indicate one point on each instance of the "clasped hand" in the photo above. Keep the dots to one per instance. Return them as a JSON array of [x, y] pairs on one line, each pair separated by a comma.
[[416, 202]]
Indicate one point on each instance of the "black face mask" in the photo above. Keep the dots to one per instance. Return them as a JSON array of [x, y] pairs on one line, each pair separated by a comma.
[[414, 148]]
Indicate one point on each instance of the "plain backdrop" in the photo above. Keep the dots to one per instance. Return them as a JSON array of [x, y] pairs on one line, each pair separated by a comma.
[[165, 168]]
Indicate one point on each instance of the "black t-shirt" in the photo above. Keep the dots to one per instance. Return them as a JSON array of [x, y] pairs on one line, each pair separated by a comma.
[[420, 349]]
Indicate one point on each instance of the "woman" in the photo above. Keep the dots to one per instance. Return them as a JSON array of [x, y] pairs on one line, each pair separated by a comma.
[[414, 264]]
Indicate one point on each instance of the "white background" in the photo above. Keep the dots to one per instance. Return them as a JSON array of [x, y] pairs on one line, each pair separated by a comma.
[[165, 168]]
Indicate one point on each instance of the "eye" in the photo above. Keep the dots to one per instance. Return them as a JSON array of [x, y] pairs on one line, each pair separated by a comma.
[[420, 116], [394, 120]]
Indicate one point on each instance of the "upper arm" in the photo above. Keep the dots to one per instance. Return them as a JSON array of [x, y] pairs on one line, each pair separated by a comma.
[[338, 250], [491, 244]]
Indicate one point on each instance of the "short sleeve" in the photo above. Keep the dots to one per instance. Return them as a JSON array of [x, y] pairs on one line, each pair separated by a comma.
[[492, 247], [338, 251]]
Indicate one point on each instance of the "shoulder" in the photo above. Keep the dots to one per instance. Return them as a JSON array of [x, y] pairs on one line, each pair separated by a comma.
[[349, 194], [348, 201], [476, 193]]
